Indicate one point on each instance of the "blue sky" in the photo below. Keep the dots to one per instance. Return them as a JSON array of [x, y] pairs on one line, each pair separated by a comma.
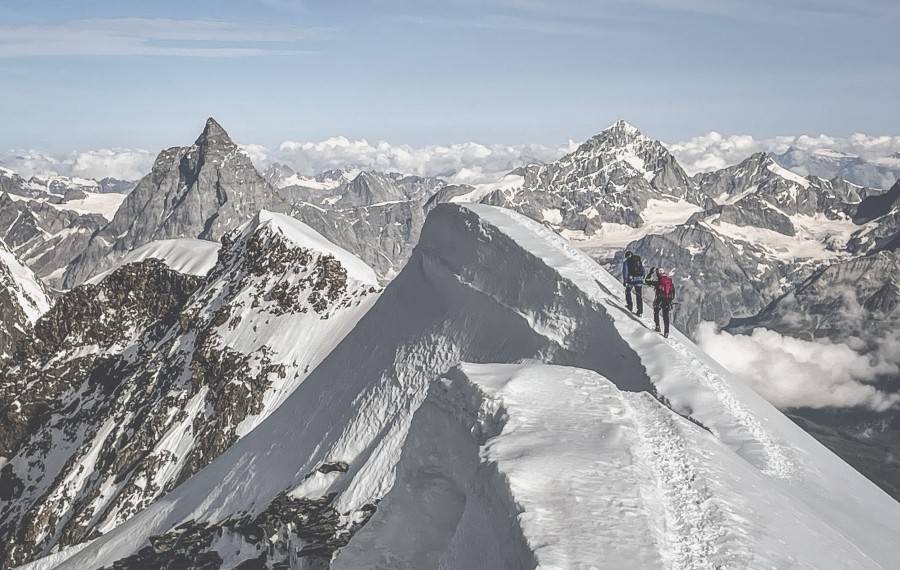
[[93, 74]]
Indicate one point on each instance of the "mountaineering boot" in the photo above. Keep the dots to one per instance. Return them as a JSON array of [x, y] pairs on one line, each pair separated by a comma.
[[656, 329], [665, 335]]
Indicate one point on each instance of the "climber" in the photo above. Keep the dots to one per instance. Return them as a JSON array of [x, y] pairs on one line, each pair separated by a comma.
[[633, 277], [661, 281]]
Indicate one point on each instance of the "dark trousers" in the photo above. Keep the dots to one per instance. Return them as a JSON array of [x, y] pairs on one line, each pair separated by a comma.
[[666, 307], [637, 293]]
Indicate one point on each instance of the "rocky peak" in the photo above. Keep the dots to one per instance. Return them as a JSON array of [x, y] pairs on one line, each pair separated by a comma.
[[622, 130], [202, 191], [369, 188], [214, 135], [277, 174], [615, 138]]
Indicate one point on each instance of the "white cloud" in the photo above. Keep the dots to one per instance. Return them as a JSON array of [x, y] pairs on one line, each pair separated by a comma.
[[791, 372], [121, 163], [460, 163], [154, 36], [713, 151], [124, 164]]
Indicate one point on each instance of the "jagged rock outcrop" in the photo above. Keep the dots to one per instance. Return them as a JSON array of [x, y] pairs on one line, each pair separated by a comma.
[[201, 191], [11, 183], [46, 237], [132, 385], [752, 211], [880, 217]]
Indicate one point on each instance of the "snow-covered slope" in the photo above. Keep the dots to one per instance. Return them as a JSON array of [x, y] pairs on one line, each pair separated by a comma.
[[23, 299], [136, 383], [583, 439], [184, 255]]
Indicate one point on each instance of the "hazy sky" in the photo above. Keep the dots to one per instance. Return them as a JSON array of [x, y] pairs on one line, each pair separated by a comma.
[[94, 74]]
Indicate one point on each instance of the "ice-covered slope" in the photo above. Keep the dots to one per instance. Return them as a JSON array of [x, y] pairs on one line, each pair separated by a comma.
[[631, 450]]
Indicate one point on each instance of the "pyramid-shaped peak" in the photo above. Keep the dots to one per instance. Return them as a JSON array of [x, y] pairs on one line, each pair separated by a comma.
[[619, 134], [214, 135], [621, 129]]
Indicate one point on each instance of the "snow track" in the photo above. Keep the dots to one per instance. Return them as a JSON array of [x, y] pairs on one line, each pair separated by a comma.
[[692, 524], [776, 458]]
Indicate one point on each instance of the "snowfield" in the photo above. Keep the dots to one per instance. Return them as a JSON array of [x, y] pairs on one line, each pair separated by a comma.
[[184, 255], [498, 407], [27, 289]]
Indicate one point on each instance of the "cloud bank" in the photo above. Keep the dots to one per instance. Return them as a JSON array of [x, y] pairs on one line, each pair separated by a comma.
[[794, 373], [713, 151], [465, 163], [120, 163]]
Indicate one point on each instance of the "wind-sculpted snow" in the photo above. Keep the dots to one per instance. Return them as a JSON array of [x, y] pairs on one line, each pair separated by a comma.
[[631, 450]]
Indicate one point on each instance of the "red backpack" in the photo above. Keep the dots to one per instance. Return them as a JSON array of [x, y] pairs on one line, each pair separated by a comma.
[[666, 289]]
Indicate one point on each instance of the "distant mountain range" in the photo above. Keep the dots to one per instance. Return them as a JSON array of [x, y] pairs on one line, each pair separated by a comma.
[[203, 301]]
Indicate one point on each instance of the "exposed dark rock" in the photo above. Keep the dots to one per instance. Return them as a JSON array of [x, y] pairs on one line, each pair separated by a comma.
[[200, 191], [289, 533]]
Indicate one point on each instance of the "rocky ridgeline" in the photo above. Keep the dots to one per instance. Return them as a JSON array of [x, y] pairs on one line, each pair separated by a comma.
[[762, 178], [375, 216], [135, 384]]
